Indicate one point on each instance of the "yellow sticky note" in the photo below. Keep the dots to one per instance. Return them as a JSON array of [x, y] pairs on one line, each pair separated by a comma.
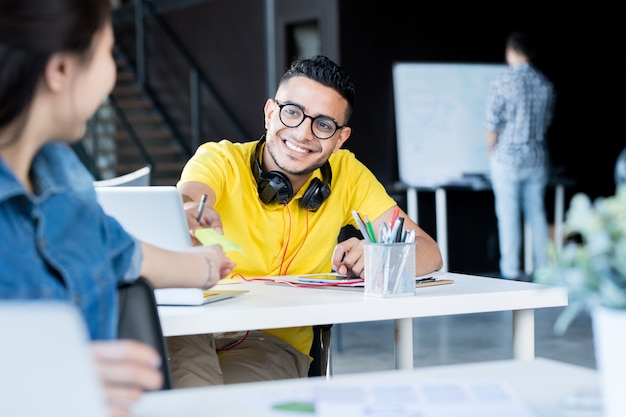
[[212, 237]]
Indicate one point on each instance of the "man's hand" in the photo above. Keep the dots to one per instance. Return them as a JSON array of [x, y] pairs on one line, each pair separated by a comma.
[[210, 218], [192, 193], [348, 258], [127, 368], [492, 139]]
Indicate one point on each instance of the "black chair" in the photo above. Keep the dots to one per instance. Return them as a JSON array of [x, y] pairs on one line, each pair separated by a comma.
[[139, 320], [320, 351]]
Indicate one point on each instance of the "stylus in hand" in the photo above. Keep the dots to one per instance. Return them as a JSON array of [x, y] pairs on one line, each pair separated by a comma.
[[201, 208]]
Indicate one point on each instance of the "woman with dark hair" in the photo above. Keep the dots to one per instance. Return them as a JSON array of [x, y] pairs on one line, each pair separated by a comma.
[[56, 69]]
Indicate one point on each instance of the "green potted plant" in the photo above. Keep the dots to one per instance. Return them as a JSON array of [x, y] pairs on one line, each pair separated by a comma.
[[592, 266]]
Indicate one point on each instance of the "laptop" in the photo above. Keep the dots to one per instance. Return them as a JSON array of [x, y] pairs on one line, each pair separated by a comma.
[[155, 215], [46, 366]]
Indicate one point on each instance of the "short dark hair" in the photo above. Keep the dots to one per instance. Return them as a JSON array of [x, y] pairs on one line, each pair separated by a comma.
[[325, 71], [523, 43], [30, 32]]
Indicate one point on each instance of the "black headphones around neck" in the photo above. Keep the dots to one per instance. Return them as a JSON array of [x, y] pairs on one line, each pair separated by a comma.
[[275, 187]]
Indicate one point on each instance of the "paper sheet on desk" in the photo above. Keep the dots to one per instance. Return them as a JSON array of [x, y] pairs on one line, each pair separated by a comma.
[[478, 398], [433, 399], [210, 236]]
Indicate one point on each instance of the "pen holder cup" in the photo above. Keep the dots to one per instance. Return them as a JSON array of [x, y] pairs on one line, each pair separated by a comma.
[[389, 269]]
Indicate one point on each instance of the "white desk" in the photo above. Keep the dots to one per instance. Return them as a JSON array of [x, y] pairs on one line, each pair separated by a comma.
[[441, 216], [273, 306], [543, 387]]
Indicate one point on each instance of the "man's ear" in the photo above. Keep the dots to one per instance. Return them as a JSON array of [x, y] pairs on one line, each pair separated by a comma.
[[268, 110], [56, 72], [344, 134]]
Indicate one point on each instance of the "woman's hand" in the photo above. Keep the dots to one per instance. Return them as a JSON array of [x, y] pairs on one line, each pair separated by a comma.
[[127, 369], [218, 265]]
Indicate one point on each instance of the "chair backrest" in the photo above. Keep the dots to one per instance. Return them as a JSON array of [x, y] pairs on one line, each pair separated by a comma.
[[320, 351], [139, 320], [140, 177]]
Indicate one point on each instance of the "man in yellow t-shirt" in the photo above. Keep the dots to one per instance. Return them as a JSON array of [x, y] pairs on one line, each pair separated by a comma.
[[284, 199]]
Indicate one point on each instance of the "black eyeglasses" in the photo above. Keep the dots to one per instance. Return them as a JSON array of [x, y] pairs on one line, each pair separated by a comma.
[[292, 115]]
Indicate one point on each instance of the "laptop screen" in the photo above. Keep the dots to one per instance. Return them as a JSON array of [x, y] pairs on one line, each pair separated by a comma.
[[153, 214], [45, 364]]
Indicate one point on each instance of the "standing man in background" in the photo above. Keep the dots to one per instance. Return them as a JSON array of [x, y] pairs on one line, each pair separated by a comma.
[[519, 110]]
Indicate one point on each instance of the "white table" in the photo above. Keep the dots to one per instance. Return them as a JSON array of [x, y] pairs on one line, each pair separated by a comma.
[[541, 387], [273, 306]]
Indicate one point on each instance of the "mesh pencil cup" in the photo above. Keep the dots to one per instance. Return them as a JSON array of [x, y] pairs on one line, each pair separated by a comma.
[[389, 269]]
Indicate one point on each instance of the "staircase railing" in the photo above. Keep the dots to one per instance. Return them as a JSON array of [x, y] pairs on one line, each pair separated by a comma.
[[153, 96], [132, 134], [198, 82], [187, 117]]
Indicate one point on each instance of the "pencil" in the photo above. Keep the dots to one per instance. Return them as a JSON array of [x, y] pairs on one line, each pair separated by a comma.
[[361, 224]]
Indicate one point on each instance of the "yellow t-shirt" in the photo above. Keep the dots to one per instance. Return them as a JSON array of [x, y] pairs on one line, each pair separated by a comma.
[[278, 239]]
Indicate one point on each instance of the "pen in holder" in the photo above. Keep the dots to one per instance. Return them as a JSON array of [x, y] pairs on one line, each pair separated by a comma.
[[389, 269]]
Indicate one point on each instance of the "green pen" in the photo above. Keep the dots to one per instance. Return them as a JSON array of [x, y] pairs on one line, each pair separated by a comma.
[[370, 229]]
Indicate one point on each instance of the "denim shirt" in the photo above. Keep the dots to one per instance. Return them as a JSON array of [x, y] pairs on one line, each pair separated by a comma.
[[520, 106], [57, 243]]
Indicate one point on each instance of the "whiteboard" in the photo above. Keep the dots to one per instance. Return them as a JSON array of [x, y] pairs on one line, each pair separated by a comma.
[[440, 111]]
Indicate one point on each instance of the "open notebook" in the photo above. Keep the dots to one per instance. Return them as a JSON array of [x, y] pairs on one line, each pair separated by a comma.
[[46, 367], [155, 215]]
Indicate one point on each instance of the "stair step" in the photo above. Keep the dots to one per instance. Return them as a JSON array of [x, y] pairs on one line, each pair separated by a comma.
[[158, 160], [125, 90], [148, 144], [130, 103], [125, 76], [144, 118], [147, 134], [154, 151], [162, 167]]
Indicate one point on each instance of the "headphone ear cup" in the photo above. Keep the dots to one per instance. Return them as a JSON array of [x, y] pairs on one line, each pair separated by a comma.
[[274, 187], [315, 195]]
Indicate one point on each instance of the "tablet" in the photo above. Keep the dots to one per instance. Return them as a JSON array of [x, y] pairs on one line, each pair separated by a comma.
[[333, 278]]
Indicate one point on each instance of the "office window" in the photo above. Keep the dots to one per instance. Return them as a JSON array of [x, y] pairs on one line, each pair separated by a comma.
[[303, 40]]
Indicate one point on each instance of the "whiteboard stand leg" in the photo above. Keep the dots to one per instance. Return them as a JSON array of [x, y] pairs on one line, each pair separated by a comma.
[[558, 216], [442, 225]]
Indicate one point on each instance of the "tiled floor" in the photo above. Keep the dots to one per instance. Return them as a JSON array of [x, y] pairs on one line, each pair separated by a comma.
[[358, 347]]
